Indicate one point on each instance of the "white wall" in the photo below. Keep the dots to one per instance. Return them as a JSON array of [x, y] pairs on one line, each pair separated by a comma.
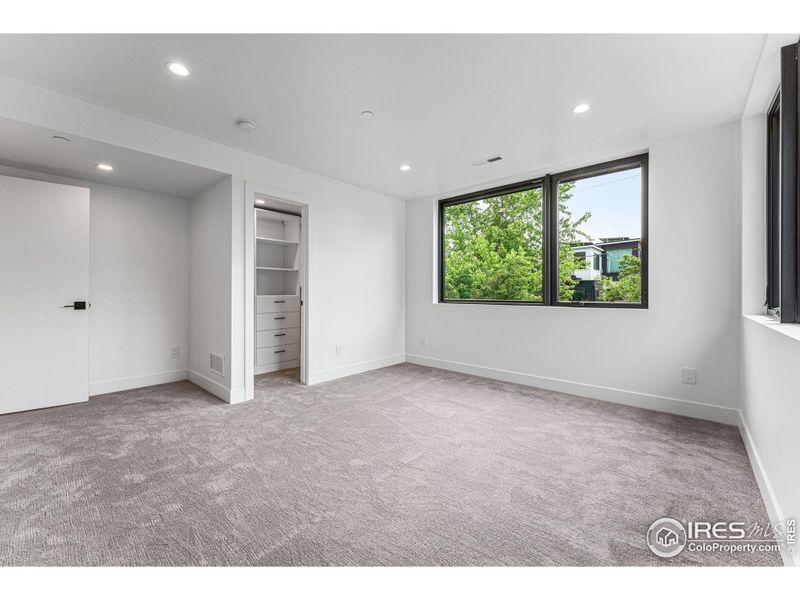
[[694, 300], [357, 288], [139, 280], [771, 411], [770, 351], [754, 214], [210, 291]]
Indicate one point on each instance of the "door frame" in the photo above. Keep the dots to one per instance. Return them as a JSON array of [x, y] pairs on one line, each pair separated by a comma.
[[253, 190]]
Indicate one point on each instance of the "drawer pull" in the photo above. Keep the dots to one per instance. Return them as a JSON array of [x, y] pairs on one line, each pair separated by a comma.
[[279, 334], [279, 318], [279, 351], [280, 301]]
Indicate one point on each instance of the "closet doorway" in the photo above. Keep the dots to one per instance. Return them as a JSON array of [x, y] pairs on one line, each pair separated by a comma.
[[278, 332]]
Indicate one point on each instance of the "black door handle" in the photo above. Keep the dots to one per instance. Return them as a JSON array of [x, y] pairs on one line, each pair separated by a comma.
[[78, 305]]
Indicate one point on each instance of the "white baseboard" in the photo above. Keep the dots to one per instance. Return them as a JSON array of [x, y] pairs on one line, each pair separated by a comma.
[[128, 383], [280, 366], [219, 390], [686, 408], [355, 368], [774, 511]]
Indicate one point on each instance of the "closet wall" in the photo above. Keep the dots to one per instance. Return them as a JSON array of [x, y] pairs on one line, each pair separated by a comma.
[[210, 307]]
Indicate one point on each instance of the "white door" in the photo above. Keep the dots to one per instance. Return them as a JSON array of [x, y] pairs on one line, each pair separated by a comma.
[[44, 265]]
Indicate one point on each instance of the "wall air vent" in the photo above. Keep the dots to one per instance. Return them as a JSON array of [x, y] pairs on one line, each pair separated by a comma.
[[216, 363], [486, 161]]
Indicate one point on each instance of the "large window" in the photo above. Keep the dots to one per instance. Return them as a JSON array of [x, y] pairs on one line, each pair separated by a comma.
[[600, 213], [576, 238], [783, 195], [493, 245]]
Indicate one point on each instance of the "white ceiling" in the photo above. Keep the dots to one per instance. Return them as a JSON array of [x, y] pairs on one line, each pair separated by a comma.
[[440, 101], [30, 147]]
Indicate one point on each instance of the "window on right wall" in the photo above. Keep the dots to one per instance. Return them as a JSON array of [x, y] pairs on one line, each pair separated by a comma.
[[783, 195], [773, 301]]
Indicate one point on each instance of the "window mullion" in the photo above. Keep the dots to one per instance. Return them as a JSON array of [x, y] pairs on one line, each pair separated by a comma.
[[547, 250]]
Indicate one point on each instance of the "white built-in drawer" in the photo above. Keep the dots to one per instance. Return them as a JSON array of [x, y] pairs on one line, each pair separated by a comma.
[[268, 321], [268, 304], [277, 337], [266, 356]]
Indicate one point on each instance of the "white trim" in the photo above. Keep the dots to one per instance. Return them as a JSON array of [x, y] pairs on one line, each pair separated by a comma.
[[686, 408], [216, 388], [790, 330], [355, 368], [236, 395], [128, 383], [774, 511]]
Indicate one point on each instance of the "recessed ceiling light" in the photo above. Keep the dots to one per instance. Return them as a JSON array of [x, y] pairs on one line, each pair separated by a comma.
[[61, 138], [105, 167], [581, 108], [260, 201], [367, 114], [178, 69], [405, 168]]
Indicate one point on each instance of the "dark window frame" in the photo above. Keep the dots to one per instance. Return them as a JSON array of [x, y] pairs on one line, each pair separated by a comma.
[[773, 301], [789, 186], [549, 185], [639, 161], [520, 186]]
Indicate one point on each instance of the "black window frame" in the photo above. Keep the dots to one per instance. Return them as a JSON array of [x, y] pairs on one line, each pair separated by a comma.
[[511, 188], [549, 184], [783, 193], [789, 186], [773, 300]]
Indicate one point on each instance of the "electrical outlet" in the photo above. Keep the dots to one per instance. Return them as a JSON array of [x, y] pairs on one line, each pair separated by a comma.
[[338, 350], [423, 342], [689, 375], [175, 352]]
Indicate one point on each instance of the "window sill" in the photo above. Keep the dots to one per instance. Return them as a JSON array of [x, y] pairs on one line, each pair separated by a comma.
[[562, 306], [788, 329]]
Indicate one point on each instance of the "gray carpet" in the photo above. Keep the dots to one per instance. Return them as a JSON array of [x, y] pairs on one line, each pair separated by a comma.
[[401, 466]]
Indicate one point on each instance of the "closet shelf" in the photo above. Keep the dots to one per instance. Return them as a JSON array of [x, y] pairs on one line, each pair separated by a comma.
[[277, 269], [276, 241]]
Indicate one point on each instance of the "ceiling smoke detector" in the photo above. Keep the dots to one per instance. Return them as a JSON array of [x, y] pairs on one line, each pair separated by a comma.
[[246, 125]]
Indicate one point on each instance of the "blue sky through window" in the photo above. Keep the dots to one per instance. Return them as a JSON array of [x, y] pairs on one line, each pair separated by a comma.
[[614, 201]]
